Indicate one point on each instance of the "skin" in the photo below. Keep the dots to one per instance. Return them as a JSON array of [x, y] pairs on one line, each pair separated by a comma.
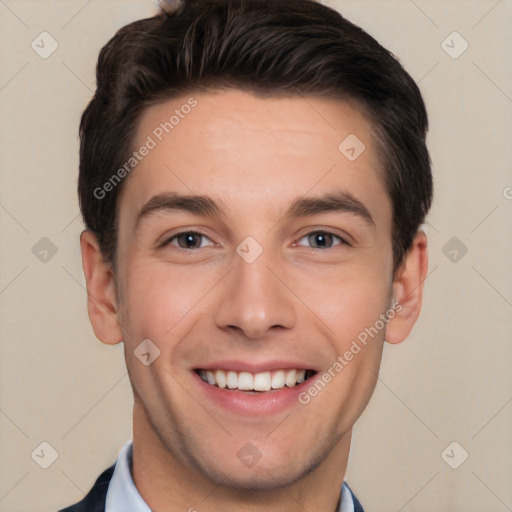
[[254, 157]]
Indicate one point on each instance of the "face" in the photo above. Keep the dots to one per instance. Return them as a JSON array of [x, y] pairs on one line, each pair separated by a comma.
[[253, 254]]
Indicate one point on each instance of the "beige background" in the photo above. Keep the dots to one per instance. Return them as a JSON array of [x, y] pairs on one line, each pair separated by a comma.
[[450, 381]]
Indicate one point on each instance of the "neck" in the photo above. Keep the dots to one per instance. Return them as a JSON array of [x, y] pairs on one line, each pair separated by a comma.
[[166, 480]]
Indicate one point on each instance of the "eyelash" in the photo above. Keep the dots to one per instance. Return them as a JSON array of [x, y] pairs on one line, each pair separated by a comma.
[[169, 241]]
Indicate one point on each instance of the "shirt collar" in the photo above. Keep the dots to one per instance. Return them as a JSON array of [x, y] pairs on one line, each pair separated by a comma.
[[347, 503], [123, 496]]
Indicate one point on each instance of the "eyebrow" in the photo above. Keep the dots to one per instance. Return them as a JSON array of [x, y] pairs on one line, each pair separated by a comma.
[[330, 202], [202, 205], [195, 204]]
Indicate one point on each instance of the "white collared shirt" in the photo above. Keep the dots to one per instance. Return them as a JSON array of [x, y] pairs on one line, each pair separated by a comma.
[[123, 496]]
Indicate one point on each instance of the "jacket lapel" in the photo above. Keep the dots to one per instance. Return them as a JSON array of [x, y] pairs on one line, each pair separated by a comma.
[[95, 499]]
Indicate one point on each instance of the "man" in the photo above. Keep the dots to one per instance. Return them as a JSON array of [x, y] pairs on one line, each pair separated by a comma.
[[253, 178]]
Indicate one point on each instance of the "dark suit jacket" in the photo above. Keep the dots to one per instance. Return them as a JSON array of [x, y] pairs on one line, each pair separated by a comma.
[[95, 500]]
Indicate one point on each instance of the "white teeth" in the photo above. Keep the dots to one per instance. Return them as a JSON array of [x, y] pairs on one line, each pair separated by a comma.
[[232, 380], [245, 381], [220, 378], [262, 381], [291, 378], [278, 379]]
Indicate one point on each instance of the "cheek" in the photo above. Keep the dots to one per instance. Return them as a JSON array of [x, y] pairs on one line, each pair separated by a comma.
[[347, 300], [156, 306], [159, 299]]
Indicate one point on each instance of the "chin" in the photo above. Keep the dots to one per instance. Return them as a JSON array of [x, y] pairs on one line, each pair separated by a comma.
[[268, 474], [258, 480]]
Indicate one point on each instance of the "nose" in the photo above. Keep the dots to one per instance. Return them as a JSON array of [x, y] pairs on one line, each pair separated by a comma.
[[255, 299]]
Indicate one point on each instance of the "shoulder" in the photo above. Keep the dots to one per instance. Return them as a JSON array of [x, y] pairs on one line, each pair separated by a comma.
[[94, 501]]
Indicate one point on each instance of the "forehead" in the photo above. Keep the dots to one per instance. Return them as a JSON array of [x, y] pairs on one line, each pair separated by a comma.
[[250, 152]]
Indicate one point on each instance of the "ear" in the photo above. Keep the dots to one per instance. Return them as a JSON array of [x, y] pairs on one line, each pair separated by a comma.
[[408, 290], [101, 291]]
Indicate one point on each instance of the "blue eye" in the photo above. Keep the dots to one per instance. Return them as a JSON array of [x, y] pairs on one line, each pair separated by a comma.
[[323, 239], [187, 240]]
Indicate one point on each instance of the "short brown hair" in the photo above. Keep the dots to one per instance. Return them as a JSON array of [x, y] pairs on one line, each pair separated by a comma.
[[267, 47]]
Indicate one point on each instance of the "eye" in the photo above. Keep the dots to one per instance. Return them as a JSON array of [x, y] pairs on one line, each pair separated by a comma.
[[322, 239], [187, 240]]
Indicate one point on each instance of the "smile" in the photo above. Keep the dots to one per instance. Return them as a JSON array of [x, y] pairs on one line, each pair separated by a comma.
[[255, 382]]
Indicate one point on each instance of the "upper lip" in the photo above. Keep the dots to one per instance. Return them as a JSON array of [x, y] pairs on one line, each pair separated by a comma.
[[255, 367]]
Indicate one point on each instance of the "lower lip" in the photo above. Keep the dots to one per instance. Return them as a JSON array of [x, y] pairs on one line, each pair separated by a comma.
[[253, 403]]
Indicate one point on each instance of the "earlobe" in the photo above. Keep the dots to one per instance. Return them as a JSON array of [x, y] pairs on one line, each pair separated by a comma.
[[408, 290], [101, 291]]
